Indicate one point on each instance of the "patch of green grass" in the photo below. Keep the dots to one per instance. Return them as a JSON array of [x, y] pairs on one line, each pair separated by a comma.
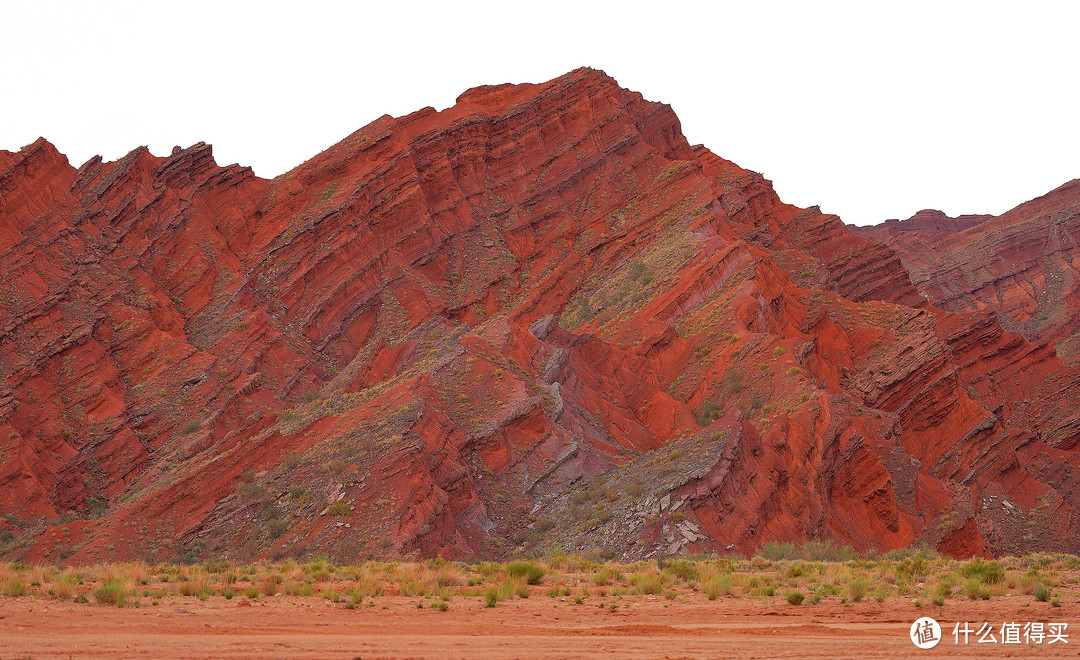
[[531, 571], [113, 592], [717, 585], [14, 588], [1042, 593], [647, 584], [985, 572], [683, 570], [856, 589]]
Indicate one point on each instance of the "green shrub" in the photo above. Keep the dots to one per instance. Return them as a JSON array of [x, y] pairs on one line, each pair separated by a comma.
[[1042, 592], [808, 551], [985, 572], [856, 589], [297, 588], [339, 508], [715, 586], [647, 584], [798, 569], [975, 591], [683, 570], [710, 412], [914, 567], [532, 572], [14, 588], [795, 598], [113, 592], [520, 588], [270, 584]]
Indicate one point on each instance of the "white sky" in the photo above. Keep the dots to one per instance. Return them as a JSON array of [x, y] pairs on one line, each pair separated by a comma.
[[872, 110]]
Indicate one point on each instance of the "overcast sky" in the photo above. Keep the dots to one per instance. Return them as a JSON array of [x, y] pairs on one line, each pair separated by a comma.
[[870, 110]]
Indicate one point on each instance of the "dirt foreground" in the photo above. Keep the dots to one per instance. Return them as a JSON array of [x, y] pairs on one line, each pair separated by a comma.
[[537, 627]]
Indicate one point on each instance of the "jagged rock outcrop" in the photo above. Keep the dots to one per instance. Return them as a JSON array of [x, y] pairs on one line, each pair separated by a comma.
[[1019, 264], [537, 318]]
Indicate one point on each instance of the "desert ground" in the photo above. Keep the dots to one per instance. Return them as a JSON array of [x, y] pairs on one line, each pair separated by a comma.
[[646, 627], [572, 611]]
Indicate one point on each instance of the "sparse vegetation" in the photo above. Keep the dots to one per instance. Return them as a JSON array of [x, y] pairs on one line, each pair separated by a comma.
[[1042, 593], [793, 573], [532, 572], [14, 588], [113, 591], [339, 508], [856, 590]]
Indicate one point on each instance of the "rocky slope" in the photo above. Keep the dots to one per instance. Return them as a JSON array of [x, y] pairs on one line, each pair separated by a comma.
[[537, 319], [1019, 264]]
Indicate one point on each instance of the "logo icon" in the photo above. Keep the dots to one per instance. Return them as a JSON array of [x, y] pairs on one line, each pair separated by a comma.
[[925, 633]]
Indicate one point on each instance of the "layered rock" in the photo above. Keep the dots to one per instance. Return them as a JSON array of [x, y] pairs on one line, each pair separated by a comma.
[[537, 318], [1018, 264]]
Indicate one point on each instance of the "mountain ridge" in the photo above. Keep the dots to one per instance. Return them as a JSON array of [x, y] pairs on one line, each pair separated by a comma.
[[1033, 288], [537, 319]]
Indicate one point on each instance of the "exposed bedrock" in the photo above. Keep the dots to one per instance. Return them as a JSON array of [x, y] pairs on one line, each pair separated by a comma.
[[537, 319]]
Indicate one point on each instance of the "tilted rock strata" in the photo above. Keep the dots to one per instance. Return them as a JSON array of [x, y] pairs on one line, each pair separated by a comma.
[[1019, 264], [538, 318]]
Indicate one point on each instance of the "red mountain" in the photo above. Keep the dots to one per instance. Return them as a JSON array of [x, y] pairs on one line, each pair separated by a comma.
[[537, 319], [1019, 264]]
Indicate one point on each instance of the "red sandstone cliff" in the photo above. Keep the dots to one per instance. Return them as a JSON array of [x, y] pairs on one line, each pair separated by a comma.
[[1019, 264], [538, 318]]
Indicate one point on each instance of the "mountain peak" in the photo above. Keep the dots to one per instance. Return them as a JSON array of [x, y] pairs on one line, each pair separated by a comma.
[[535, 319]]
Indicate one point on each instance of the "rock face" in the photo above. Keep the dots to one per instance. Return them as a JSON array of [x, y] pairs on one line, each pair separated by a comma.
[[539, 318], [1020, 265]]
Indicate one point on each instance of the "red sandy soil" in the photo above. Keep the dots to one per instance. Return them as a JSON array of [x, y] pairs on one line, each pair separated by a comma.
[[539, 627]]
